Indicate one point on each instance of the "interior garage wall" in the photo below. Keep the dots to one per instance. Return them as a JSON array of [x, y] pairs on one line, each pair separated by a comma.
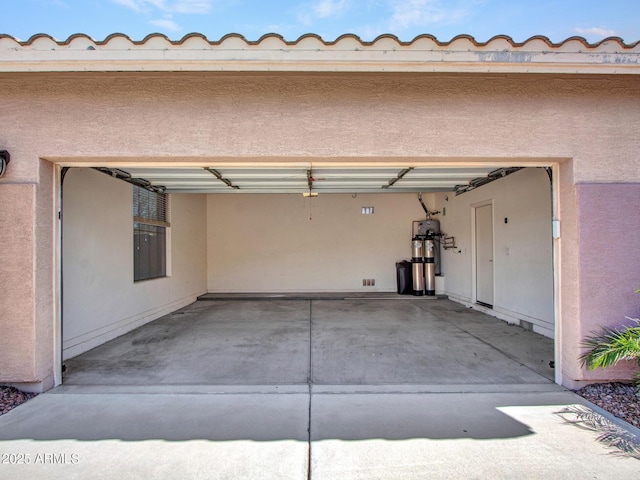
[[267, 243], [523, 257], [100, 299]]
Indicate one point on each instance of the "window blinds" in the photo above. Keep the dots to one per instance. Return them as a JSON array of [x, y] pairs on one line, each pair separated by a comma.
[[150, 207]]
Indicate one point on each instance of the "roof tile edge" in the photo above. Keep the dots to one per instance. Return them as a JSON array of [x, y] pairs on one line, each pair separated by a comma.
[[619, 41], [310, 53]]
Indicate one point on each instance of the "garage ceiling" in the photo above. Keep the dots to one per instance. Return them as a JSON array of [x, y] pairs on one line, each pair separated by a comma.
[[321, 180]]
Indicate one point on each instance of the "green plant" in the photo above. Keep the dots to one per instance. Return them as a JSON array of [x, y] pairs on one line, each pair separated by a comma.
[[611, 345]]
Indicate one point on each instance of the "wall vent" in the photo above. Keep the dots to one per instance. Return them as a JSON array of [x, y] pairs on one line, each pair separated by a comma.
[[368, 282], [526, 325]]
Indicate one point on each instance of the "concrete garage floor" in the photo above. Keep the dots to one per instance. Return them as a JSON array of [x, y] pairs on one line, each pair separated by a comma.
[[351, 342], [313, 389]]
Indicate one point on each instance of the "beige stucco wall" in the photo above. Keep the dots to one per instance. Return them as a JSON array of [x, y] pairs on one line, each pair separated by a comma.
[[268, 243], [591, 121], [123, 117], [610, 261], [101, 300], [568, 275], [16, 282]]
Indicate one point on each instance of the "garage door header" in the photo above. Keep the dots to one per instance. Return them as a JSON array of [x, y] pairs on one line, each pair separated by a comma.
[[310, 53]]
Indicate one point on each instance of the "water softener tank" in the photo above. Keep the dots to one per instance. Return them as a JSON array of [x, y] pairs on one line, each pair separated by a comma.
[[429, 266], [431, 227], [417, 265]]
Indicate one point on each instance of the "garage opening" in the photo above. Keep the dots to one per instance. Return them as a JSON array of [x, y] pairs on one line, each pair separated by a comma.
[[275, 233]]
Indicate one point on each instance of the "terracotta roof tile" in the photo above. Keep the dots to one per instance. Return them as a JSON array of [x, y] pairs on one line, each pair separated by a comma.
[[274, 36], [310, 53]]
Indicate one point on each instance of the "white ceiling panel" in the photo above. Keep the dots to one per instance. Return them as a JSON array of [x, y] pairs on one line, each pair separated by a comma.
[[369, 179]]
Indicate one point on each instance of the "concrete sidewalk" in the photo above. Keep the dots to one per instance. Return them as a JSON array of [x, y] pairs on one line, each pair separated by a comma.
[[493, 433]]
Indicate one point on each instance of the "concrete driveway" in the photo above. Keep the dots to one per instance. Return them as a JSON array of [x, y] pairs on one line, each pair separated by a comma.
[[322, 389]]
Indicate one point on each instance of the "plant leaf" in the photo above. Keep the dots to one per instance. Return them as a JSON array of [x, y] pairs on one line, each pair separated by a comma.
[[610, 345]]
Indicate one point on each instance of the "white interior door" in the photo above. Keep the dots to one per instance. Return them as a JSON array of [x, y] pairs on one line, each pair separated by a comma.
[[484, 254]]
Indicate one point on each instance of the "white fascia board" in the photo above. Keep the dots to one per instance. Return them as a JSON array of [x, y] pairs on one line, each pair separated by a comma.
[[310, 54]]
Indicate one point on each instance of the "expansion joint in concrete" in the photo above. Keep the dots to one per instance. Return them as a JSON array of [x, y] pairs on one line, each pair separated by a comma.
[[310, 386]]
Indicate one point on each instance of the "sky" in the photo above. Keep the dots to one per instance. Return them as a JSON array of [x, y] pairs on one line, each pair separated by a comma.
[[406, 19]]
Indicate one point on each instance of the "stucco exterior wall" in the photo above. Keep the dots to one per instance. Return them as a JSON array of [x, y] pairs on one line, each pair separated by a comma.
[[45, 273], [188, 118], [569, 327], [101, 300], [17, 285], [590, 122], [609, 231]]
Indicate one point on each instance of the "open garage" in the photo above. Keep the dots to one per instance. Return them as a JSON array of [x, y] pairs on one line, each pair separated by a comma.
[[366, 127], [324, 241]]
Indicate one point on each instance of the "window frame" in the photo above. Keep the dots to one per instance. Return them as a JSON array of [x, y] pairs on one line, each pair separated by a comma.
[[151, 227]]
